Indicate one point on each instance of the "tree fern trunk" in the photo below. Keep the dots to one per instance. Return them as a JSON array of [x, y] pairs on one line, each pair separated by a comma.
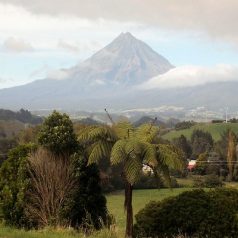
[[129, 211]]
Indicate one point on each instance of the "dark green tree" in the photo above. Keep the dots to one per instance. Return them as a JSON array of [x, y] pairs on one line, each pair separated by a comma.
[[87, 200], [222, 144], [183, 144], [201, 164], [201, 142], [57, 134], [13, 185], [232, 162]]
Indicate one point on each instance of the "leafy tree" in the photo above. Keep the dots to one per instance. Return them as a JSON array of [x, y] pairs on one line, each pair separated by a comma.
[[87, 197], [221, 146], [232, 162], [216, 164], [133, 148], [57, 134], [13, 185], [184, 145], [201, 142], [201, 164]]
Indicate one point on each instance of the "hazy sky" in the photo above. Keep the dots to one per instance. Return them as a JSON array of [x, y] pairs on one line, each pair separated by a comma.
[[39, 37]]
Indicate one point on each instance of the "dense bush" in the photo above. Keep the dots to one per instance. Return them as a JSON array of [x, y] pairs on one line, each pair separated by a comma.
[[5, 146], [87, 200], [13, 185], [149, 182], [212, 181], [194, 213], [207, 181]]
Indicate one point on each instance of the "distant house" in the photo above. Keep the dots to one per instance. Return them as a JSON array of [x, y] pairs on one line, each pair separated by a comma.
[[191, 164]]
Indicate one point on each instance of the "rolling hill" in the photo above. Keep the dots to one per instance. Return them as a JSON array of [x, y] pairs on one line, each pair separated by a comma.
[[215, 129]]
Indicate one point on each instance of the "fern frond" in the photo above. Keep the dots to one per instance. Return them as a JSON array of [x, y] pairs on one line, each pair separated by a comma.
[[94, 133], [147, 133], [171, 156], [149, 155], [99, 150], [133, 169], [164, 170], [118, 154], [123, 129]]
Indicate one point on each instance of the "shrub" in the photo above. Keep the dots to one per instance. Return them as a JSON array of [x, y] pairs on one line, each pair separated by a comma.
[[212, 181], [51, 183], [13, 185], [207, 181], [195, 213]]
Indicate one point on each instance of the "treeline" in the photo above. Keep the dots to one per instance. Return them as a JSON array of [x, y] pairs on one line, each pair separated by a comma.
[[23, 116]]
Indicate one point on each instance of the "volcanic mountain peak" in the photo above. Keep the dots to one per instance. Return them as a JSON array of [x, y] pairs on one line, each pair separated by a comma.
[[126, 60]]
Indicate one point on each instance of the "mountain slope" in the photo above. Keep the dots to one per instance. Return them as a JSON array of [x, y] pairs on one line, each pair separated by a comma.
[[123, 63]]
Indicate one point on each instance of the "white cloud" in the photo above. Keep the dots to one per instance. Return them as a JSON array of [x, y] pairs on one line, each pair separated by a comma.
[[217, 18], [190, 75], [44, 31], [79, 47], [60, 74], [67, 46], [16, 45]]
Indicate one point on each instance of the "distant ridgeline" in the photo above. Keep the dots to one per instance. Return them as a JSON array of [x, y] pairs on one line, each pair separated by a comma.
[[23, 116]]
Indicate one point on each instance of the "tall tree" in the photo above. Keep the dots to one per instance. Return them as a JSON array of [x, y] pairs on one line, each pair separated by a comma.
[[182, 143], [201, 142], [57, 134], [132, 148], [231, 155]]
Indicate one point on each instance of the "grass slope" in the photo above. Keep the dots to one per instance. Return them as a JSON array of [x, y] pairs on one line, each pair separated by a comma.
[[214, 128]]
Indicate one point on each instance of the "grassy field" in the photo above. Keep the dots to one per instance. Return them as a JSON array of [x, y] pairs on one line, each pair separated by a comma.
[[214, 128], [115, 202]]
